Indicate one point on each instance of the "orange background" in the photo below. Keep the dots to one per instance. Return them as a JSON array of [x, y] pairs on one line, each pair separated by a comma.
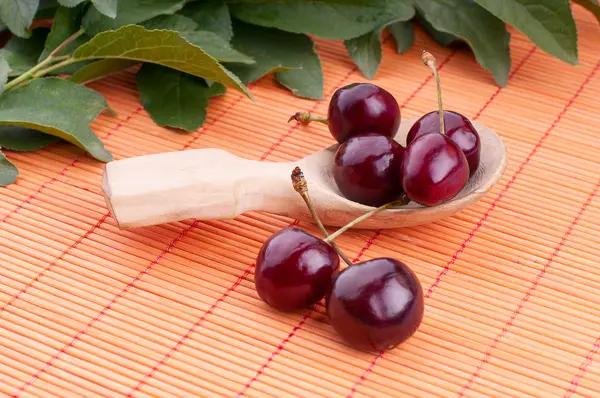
[[512, 307]]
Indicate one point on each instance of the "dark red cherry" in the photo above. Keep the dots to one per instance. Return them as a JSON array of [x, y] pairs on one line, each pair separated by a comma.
[[362, 108], [376, 305], [433, 170], [366, 169], [458, 128], [294, 269]]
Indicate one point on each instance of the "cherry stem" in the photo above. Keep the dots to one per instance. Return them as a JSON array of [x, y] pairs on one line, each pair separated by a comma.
[[401, 202], [306, 117], [429, 60], [301, 186]]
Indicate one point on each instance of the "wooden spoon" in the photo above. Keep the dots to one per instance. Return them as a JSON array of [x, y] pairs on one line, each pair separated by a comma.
[[210, 184]]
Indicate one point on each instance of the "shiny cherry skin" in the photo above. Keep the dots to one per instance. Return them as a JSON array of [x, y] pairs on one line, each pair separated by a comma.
[[366, 169], [362, 108], [294, 269], [434, 169], [376, 305], [458, 128]]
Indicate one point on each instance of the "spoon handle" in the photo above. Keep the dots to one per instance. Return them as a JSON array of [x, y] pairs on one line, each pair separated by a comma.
[[201, 183]]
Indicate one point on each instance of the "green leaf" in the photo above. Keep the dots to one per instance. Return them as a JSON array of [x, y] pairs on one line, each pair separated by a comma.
[[548, 23], [23, 139], [129, 12], [8, 171], [175, 22], [210, 42], [173, 98], [18, 15], [591, 5], [57, 107], [22, 54], [278, 51], [70, 3], [486, 35], [211, 15], [445, 39], [216, 47], [161, 47], [4, 68], [46, 9], [366, 52], [99, 69], [333, 19], [404, 34], [107, 7], [66, 22], [306, 82]]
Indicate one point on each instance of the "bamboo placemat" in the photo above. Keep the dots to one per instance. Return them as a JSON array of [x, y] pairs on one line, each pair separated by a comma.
[[512, 304]]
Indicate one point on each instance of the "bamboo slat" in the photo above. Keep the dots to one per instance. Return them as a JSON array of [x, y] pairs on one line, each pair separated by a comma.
[[512, 310]]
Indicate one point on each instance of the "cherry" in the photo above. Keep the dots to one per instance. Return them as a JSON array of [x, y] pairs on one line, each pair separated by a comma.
[[366, 169], [434, 169], [376, 305], [294, 269], [457, 127], [362, 108]]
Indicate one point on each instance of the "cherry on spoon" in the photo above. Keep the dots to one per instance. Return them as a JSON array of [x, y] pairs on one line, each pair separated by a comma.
[[434, 169], [366, 169], [358, 108], [456, 126]]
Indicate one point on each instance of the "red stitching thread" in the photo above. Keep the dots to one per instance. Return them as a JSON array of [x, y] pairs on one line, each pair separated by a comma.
[[48, 364], [32, 196], [533, 287], [276, 352], [582, 369], [53, 263], [298, 326], [367, 246], [465, 242], [369, 243], [195, 325], [63, 171], [205, 128], [427, 80], [363, 376], [510, 76], [172, 350], [512, 180], [283, 137]]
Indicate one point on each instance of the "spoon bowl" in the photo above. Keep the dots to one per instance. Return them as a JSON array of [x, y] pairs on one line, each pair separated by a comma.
[[208, 184]]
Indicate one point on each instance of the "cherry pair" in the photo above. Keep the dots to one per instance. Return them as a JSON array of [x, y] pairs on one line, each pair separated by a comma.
[[373, 305], [442, 148]]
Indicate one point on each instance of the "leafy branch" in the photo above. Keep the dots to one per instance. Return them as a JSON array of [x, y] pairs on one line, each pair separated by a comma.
[[43, 68], [190, 50]]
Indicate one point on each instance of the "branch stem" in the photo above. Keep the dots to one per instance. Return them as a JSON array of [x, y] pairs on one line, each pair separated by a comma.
[[429, 60], [67, 61], [400, 202], [43, 67], [306, 117], [65, 43], [301, 187]]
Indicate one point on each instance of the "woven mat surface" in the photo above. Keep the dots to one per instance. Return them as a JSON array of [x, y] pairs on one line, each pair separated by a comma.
[[512, 303]]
